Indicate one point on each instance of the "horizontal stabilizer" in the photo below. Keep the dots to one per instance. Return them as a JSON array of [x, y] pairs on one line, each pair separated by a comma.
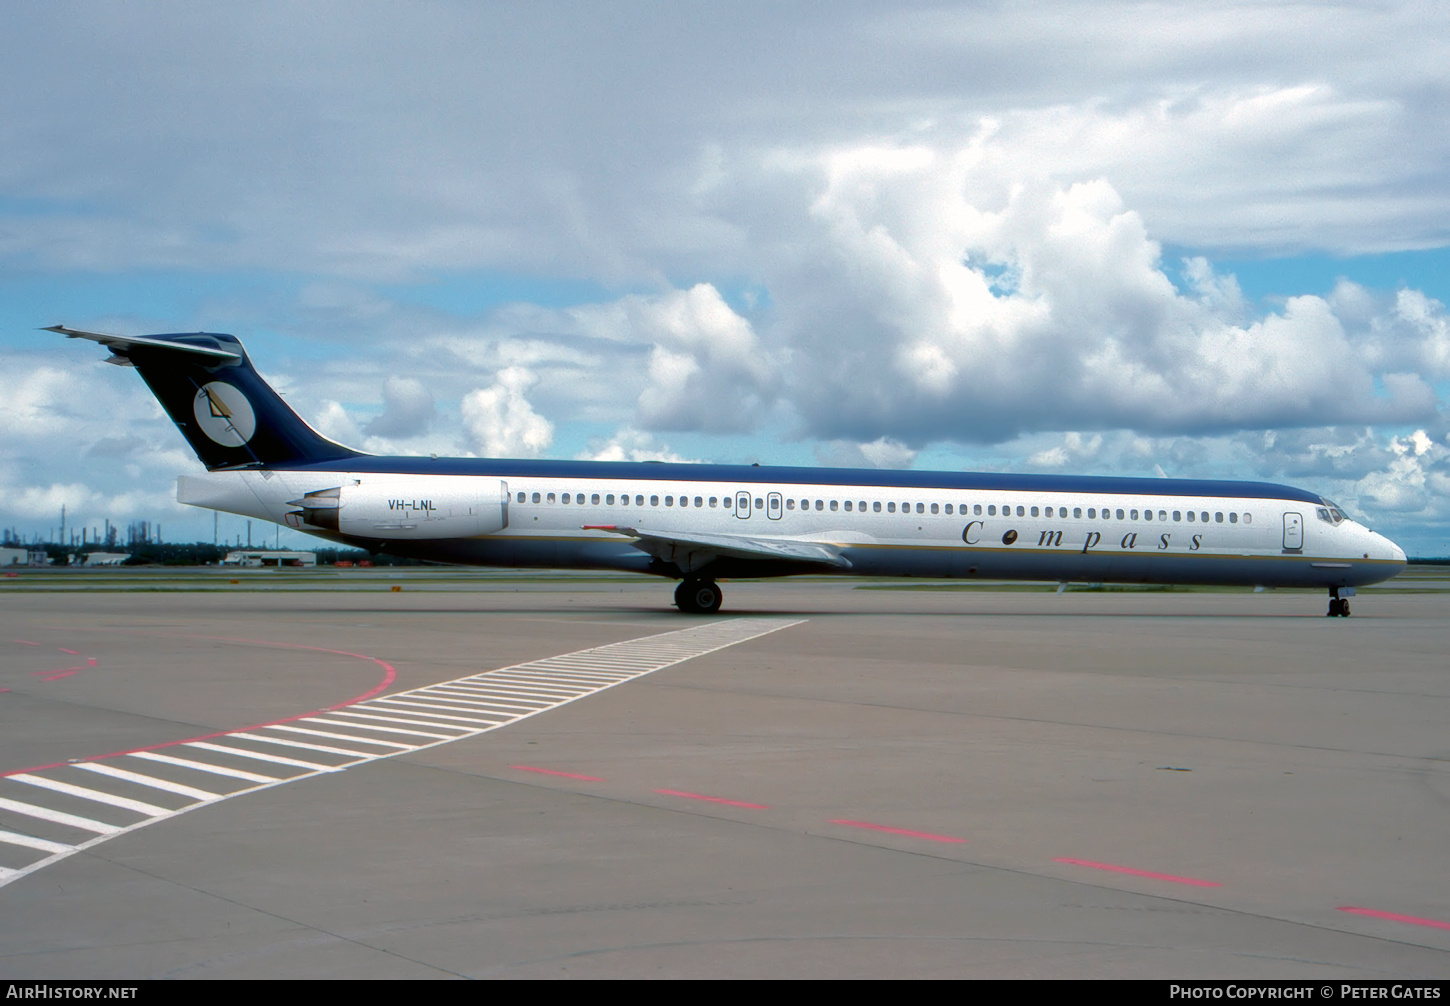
[[120, 344]]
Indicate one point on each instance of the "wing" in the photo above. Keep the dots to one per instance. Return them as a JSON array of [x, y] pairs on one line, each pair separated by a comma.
[[691, 551]]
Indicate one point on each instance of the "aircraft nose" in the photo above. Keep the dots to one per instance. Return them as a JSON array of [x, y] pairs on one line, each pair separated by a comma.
[[1388, 550]]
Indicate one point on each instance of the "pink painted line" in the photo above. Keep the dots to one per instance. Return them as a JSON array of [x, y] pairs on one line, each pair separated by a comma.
[[62, 674], [92, 662], [73, 653], [24, 642], [712, 799], [549, 771], [1393, 917], [901, 831], [1139, 873], [389, 676]]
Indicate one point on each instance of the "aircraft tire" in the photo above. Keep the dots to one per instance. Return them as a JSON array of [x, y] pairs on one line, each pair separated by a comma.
[[698, 597]]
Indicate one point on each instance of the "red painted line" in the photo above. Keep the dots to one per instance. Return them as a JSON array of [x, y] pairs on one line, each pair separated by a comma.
[[62, 674], [59, 672], [1393, 917], [549, 771], [24, 642], [712, 799], [389, 676], [901, 831], [73, 653], [92, 662], [1139, 873]]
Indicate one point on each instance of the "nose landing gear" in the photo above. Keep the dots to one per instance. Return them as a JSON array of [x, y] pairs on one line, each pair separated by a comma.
[[698, 597], [1338, 606]]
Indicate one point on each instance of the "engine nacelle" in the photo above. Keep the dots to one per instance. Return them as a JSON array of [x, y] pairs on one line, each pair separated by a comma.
[[406, 507]]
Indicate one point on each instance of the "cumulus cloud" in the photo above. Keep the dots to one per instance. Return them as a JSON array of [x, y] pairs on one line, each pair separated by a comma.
[[407, 409], [630, 444], [883, 452], [918, 310], [501, 422], [707, 370]]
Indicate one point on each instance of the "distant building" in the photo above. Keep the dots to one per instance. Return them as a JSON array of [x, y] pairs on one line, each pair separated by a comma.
[[106, 558], [14, 556], [264, 557]]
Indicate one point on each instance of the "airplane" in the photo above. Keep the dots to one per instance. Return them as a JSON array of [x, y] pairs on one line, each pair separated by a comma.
[[701, 523]]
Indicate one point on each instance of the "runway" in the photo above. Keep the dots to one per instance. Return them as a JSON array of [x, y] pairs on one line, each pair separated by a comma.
[[568, 779]]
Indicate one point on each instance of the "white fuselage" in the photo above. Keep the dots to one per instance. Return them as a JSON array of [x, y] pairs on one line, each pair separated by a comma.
[[563, 520]]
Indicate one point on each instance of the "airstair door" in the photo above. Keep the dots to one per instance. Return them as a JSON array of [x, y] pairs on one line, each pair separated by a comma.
[[1293, 530]]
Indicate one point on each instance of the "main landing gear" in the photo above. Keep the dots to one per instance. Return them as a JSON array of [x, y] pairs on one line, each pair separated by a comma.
[[1338, 606], [698, 597]]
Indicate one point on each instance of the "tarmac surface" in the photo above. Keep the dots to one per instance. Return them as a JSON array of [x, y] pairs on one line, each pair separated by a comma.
[[864, 783]]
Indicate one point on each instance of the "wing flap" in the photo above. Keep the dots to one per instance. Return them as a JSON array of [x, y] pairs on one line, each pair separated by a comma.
[[694, 550]]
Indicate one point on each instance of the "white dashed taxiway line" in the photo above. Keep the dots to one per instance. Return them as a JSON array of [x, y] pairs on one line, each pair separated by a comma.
[[335, 740]]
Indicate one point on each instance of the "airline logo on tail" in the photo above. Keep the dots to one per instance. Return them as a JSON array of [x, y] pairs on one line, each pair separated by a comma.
[[224, 414]]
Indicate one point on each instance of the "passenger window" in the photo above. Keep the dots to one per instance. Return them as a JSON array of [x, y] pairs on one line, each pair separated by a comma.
[[639, 501], [820, 504], [1034, 511], [1203, 517], [977, 509], [1248, 518], [1233, 518], [890, 507], [848, 505], [1134, 514], [992, 510], [697, 501], [949, 508], [654, 501], [759, 503], [551, 497], [933, 508], [594, 499], [789, 504], [714, 500], [1120, 515], [1077, 512], [521, 497], [564, 498], [609, 500], [1093, 512], [1021, 512], [861, 506], [669, 501], [876, 506], [1218, 518], [1191, 517], [834, 505], [536, 497], [1177, 515]]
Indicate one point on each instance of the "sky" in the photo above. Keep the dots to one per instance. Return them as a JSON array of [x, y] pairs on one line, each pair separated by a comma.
[[1156, 239]]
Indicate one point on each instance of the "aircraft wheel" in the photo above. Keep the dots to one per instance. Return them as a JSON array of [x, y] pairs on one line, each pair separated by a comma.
[[1338, 608], [698, 597]]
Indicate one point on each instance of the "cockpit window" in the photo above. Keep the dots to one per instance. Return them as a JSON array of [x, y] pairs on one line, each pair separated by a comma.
[[1330, 512]]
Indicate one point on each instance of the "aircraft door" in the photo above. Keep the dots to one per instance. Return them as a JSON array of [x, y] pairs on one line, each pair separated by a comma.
[[774, 506], [742, 505], [1293, 530]]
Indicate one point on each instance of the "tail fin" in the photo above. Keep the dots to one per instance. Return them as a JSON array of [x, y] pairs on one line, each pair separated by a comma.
[[207, 385]]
